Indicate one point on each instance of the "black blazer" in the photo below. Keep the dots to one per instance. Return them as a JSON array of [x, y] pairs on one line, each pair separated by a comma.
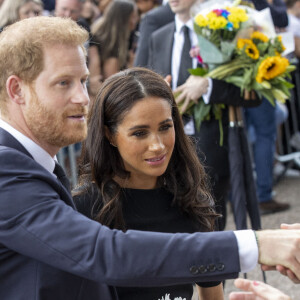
[[50, 251]]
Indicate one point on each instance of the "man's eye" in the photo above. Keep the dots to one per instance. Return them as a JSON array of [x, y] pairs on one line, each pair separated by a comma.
[[84, 81], [63, 82]]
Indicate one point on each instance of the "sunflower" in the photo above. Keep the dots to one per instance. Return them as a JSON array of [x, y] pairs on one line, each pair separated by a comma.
[[256, 35], [241, 43], [271, 67], [252, 51]]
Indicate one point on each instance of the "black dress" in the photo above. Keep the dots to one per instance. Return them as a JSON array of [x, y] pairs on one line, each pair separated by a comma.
[[148, 210]]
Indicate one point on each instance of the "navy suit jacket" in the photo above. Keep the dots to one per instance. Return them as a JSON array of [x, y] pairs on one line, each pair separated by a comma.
[[50, 251]]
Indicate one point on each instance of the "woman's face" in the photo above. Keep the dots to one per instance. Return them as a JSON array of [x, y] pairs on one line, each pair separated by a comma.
[[145, 140], [29, 10], [133, 19]]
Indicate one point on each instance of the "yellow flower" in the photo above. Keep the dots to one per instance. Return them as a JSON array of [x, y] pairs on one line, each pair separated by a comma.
[[201, 21], [271, 67], [217, 23], [211, 15], [256, 35], [252, 51], [237, 14], [281, 46], [241, 43]]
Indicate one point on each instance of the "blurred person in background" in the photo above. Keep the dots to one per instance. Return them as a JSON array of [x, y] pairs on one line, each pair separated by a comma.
[[102, 5], [145, 5], [109, 51], [71, 9], [90, 11], [13, 11], [49, 6], [293, 10]]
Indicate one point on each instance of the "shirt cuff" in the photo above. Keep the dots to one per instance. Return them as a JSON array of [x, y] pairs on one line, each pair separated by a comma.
[[248, 249], [206, 96]]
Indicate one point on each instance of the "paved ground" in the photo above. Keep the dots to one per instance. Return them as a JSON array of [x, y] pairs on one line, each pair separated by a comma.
[[288, 189]]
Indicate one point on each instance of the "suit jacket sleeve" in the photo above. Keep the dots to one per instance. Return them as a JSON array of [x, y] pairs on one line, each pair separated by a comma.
[[37, 223], [229, 94]]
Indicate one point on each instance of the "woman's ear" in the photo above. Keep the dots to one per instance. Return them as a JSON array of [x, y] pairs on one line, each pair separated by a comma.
[[109, 136], [14, 89]]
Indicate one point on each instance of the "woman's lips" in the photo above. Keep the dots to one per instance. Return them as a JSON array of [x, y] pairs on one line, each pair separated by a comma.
[[156, 160]]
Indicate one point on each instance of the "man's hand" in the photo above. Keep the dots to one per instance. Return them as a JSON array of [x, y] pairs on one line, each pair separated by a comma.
[[284, 271], [256, 290], [191, 90], [280, 248]]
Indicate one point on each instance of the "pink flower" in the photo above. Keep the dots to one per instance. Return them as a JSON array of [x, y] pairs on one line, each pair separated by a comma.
[[195, 53]]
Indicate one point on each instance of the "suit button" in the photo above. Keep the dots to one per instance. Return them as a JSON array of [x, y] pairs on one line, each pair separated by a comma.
[[202, 269], [211, 268], [194, 270], [220, 267]]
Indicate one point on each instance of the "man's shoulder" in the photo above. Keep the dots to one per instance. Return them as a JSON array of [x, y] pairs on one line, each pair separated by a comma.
[[163, 31], [160, 12]]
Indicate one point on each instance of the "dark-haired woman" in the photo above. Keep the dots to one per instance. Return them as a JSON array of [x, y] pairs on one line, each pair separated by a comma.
[[109, 51], [140, 171]]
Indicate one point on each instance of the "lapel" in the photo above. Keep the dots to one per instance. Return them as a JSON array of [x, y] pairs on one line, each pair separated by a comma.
[[6, 139], [169, 40]]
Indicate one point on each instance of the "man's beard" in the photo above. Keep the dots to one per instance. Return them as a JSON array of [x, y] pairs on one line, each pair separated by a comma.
[[55, 128]]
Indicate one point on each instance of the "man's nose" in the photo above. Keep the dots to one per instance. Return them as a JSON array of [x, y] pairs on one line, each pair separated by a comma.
[[81, 96]]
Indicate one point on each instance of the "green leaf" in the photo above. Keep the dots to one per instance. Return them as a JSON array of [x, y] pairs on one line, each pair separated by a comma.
[[198, 71], [201, 112]]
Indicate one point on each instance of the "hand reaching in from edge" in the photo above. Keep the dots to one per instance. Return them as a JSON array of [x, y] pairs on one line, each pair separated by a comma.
[[191, 90], [256, 290], [285, 271]]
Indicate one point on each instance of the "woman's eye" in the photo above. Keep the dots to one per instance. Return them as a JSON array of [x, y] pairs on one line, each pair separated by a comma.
[[166, 127], [139, 133]]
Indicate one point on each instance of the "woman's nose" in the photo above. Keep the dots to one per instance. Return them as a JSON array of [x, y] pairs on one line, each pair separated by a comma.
[[156, 144]]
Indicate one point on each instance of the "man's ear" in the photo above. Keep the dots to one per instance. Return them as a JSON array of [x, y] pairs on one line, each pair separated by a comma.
[[14, 89]]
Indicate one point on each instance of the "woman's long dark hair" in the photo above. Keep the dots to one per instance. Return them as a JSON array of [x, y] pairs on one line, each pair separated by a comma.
[[111, 31], [101, 162]]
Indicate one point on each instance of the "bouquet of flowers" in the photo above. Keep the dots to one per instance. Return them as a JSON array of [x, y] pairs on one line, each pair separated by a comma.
[[231, 51]]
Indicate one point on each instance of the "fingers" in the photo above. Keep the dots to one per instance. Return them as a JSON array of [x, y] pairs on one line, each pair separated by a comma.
[[290, 226], [185, 105], [181, 97], [241, 296], [168, 79], [243, 284], [286, 272], [268, 268], [282, 270], [257, 288]]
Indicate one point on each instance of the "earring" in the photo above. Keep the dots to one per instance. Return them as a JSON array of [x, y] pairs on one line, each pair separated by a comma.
[[113, 145]]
